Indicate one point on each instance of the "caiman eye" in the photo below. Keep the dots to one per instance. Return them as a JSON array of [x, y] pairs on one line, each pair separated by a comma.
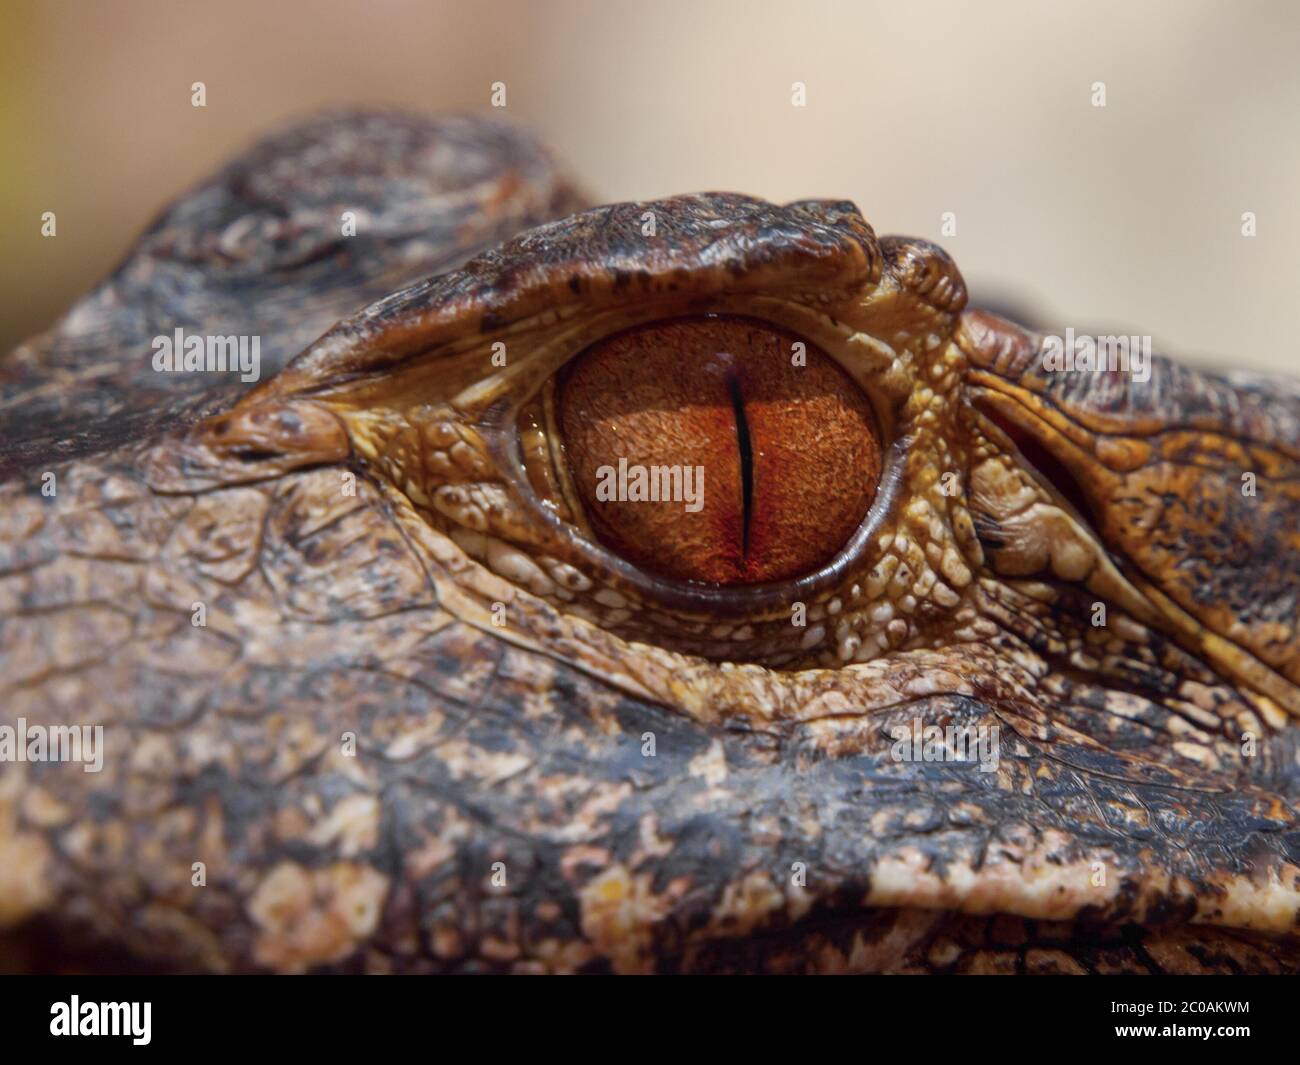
[[716, 449]]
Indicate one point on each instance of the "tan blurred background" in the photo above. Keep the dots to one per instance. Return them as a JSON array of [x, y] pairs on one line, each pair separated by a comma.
[[1126, 217]]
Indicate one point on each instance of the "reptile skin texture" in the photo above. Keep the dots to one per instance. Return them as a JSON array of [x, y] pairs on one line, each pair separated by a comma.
[[427, 724]]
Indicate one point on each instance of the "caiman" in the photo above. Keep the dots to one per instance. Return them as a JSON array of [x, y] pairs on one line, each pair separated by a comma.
[[620, 590]]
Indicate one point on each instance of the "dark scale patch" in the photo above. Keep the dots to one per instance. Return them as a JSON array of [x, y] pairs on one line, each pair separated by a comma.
[[676, 738], [246, 801], [707, 850], [102, 807]]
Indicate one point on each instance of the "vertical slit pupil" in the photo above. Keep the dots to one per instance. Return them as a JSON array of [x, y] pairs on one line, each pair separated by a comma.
[[746, 459]]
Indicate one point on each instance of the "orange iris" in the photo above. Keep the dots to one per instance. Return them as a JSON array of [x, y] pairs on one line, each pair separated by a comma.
[[718, 449]]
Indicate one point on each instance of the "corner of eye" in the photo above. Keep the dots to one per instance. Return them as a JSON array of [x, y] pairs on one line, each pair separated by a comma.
[[302, 430]]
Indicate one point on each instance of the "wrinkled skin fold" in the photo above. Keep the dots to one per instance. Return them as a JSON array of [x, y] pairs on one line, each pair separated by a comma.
[[377, 775]]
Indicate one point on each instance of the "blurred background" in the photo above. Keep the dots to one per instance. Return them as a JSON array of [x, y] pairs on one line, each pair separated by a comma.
[[1122, 218]]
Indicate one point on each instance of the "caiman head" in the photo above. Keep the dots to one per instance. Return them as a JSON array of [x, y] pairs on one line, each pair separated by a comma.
[[696, 584]]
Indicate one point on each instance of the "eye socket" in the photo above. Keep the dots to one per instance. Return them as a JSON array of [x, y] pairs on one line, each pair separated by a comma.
[[718, 449]]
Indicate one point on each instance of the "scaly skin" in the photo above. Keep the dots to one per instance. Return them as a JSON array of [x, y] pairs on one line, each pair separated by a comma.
[[373, 561]]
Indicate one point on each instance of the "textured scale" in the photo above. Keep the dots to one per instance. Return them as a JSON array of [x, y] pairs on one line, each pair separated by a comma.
[[1123, 829]]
